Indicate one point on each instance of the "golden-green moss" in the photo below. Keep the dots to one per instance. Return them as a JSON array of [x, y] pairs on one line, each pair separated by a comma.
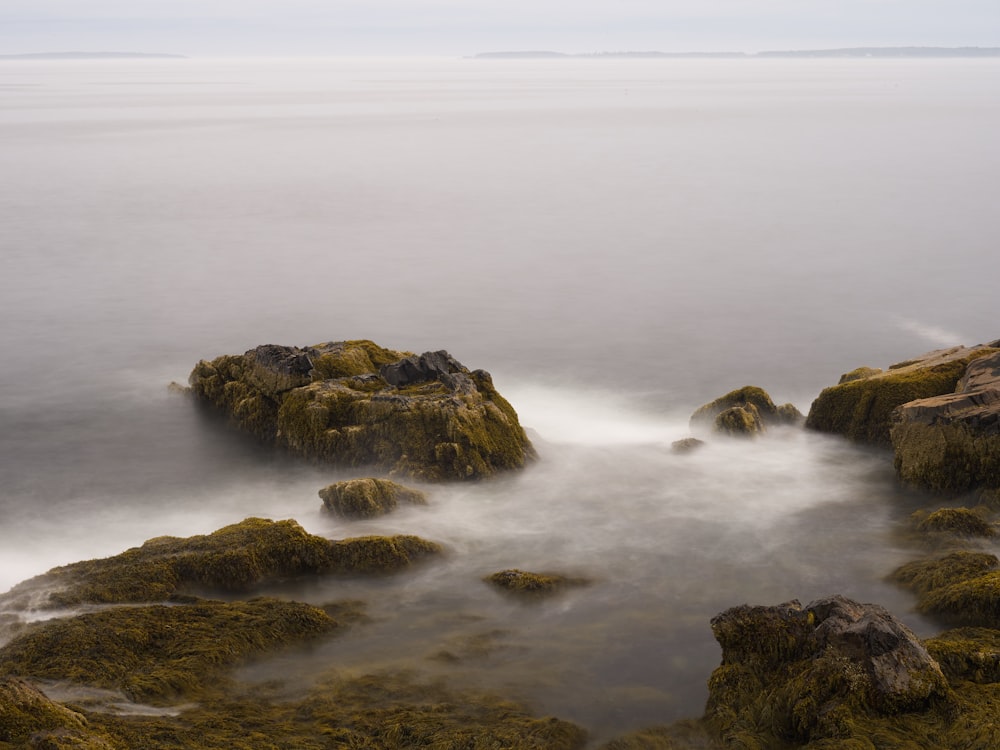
[[158, 652], [739, 421], [348, 358], [958, 521], [861, 409], [859, 373], [236, 558], [380, 554], [946, 457], [924, 576], [523, 583], [971, 654], [25, 711], [368, 497]]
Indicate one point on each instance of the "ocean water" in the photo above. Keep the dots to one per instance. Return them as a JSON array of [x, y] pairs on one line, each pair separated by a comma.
[[617, 241]]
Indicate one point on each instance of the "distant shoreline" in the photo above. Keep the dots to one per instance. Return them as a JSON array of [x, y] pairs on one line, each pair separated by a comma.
[[862, 52], [92, 56]]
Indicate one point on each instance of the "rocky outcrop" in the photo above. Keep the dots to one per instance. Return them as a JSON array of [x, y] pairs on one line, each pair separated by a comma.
[[367, 498], [951, 442], [793, 674], [234, 559], [861, 406], [353, 403], [745, 411]]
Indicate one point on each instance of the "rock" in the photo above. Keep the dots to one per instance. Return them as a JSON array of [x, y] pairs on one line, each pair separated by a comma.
[[353, 403], [789, 414], [25, 711], [971, 654], [739, 421], [951, 442], [234, 559], [861, 407], [523, 583], [812, 671], [859, 373], [686, 445], [367, 498], [158, 652], [961, 588], [958, 521]]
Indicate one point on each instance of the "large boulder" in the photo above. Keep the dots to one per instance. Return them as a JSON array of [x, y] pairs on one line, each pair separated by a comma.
[[793, 674], [951, 442], [353, 403], [861, 406]]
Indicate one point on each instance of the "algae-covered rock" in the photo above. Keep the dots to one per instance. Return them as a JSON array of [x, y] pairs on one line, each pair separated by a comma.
[[739, 421], [860, 408], [236, 558], [524, 583], [748, 395], [793, 675], [859, 373], [957, 521], [366, 498], [686, 445], [971, 654], [157, 652], [353, 403], [962, 588], [951, 442], [26, 711]]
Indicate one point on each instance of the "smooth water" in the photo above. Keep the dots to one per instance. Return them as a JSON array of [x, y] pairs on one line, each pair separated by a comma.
[[616, 241]]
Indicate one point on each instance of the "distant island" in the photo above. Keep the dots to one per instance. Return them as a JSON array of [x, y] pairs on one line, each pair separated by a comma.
[[841, 52], [91, 56]]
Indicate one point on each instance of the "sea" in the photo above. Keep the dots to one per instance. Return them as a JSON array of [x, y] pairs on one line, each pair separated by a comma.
[[617, 241]]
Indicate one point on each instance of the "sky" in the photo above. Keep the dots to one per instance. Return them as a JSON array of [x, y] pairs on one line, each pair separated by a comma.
[[464, 27]]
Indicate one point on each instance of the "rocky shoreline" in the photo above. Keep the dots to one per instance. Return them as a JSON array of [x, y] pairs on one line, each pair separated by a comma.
[[161, 627]]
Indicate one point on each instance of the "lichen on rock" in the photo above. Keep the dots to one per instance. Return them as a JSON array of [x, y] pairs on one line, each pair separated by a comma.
[[353, 403], [368, 497]]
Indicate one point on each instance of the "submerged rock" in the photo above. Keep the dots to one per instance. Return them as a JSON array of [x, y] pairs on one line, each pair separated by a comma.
[[353, 403], [951, 442], [524, 583], [236, 559], [957, 521], [686, 445], [795, 675], [861, 406], [367, 498]]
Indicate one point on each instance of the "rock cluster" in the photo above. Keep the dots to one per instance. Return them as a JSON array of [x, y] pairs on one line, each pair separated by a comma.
[[353, 403], [747, 411]]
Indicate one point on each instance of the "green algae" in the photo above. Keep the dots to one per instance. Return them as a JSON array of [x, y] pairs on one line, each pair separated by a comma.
[[961, 588], [924, 576], [961, 522], [350, 358], [235, 559], [527, 584], [971, 654], [157, 653], [26, 711], [861, 409], [368, 497]]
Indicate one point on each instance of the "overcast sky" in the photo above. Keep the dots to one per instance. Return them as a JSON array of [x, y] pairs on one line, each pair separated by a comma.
[[462, 27]]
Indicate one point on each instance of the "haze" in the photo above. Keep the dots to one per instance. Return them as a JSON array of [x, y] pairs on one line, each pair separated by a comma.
[[450, 27]]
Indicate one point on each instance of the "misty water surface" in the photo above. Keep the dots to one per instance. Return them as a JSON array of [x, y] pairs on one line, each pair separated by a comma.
[[616, 241]]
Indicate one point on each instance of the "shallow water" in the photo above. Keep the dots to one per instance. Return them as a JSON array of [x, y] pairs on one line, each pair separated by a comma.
[[617, 242]]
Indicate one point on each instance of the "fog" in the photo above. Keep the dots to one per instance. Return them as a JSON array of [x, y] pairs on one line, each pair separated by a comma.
[[616, 242]]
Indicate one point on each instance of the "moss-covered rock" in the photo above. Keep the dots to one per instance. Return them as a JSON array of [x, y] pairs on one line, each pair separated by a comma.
[[686, 445], [157, 652], [367, 498], [524, 583], [353, 403], [957, 521], [971, 654], [235, 559], [748, 395], [859, 373], [951, 442], [26, 712], [793, 675], [962, 588], [739, 421], [861, 408]]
